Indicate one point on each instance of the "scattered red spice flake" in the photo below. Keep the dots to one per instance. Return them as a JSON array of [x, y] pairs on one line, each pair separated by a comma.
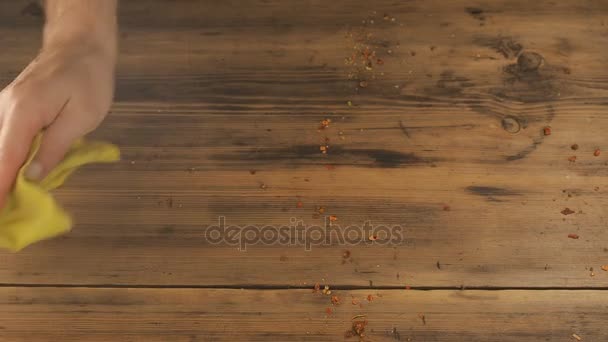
[[329, 311], [547, 130], [335, 300], [597, 152], [316, 288], [373, 238], [446, 207], [379, 61], [572, 159], [573, 236], [333, 218], [567, 211], [325, 123], [370, 298], [423, 318], [355, 301], [604, 268], [357, 329]]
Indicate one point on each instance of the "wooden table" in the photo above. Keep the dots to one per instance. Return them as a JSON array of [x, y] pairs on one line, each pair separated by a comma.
[[453, 120]]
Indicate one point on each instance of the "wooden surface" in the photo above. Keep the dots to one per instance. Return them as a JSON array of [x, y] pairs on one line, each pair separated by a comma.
[[445, 138]]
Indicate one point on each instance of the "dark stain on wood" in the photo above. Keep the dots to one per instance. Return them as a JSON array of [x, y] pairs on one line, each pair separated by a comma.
[[449, 85], [490, 191], [336, 154], [476, 13], [506, 46]]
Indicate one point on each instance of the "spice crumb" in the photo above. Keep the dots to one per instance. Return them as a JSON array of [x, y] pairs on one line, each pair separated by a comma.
[[567, 211], [423, 318], [576, 337], [573, 236], [597, 152], [547, 130]]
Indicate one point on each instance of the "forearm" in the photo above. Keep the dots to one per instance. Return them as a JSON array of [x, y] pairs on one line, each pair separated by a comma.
[[90, 23]]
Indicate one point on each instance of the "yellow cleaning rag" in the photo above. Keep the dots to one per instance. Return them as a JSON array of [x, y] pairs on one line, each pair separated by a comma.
[[31, 213]]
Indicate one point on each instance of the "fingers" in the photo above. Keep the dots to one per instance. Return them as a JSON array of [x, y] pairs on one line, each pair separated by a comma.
[[16, 136], [56, 142]]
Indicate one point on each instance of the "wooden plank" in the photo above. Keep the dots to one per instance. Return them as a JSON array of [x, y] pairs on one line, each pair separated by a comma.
[[208, 93], [74, 314]]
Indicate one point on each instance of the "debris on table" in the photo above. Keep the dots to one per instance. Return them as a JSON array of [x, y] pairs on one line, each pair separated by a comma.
[[572, 159], [326, 290], [567, 211], [576, 337], [299, 204], [423, 318], [604, 268], [357, 317], [597, 152], [329, 311], [335, 300], [325, 123], [547, 130], [316, 288], [357, 329], [321, 210], [370, 298], [574, 147], [333, 218], [573, 236]]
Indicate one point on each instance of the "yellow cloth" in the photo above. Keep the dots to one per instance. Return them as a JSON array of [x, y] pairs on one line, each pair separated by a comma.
[[31, 213]]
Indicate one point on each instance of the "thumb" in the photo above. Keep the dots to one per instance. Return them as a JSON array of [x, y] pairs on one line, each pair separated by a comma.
[[56, 142]]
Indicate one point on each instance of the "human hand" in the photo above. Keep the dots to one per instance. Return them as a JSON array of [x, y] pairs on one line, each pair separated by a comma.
[[65, 92]]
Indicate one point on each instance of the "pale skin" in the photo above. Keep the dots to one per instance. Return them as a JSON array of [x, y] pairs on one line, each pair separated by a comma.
[[65, 92]]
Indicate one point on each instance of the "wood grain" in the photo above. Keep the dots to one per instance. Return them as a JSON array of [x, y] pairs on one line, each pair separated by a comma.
[[217, 112], [207, 93], [76, 314]]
